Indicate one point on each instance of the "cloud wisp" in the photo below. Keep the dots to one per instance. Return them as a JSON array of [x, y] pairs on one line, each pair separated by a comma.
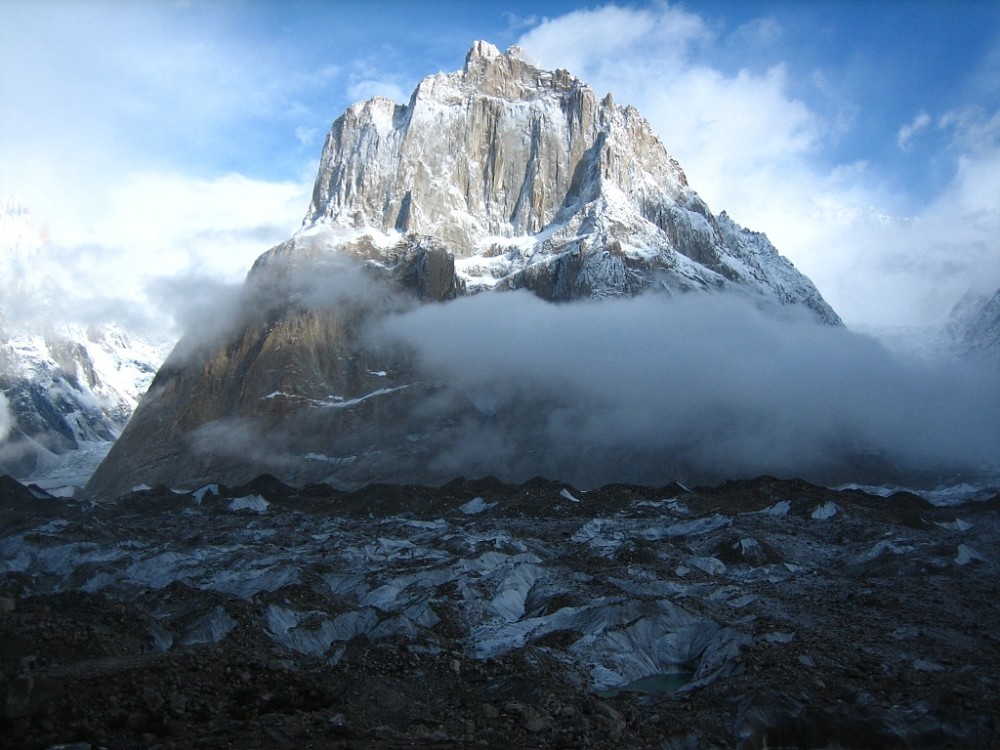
[[7, 421]]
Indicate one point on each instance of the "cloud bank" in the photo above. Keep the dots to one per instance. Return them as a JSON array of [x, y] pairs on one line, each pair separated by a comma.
[[703, 387], [747, 126], [132, 132], [161, 246]]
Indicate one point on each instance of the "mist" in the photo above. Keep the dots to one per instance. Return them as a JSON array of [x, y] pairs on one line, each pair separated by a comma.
[[702, 387], [6, 418], [308, 278]]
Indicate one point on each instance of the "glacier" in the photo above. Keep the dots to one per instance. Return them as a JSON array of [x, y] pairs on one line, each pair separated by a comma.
[[740, 614]]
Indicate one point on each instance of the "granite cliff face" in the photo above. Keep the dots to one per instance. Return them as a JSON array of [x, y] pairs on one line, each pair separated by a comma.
[[498, 177], [533, 182], [497, 150]]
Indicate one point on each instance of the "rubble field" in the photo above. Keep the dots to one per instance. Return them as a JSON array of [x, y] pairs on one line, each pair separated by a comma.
[[759, 613]]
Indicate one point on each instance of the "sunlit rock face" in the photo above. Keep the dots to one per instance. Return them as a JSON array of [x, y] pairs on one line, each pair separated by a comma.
[[533, 181], [498, 148], [498, 177]]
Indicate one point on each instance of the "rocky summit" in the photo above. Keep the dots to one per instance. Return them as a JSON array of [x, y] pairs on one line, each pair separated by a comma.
[[498, 177], [533, 182]]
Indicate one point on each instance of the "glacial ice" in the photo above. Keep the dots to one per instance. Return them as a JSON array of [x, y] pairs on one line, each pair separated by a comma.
[[779, 509], [686, 528], [508, 585], [289, 628], [475, 505], [211, 627], [199, 494], [254, 503], [825, 511], [568, 495], [967, 554]]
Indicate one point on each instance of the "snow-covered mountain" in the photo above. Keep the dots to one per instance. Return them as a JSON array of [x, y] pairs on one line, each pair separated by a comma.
[[67, 389], [974, 324], [498, 177], [532, 181]]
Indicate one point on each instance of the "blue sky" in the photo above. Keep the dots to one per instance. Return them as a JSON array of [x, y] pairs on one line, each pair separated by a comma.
[[165, 144]]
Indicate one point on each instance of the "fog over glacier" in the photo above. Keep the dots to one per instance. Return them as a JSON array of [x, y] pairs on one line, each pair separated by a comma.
[[715, 385], [699, 387]]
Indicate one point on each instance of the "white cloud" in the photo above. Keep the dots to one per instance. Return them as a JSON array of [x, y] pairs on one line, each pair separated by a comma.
[[128, 115], [366, 88], [306, 136], [758, 32], [154, 227], [118, 126], [974, 128], [951, 247], [751, 147], [906, 133], [515, 21], [324, 75], [7, 421], [609, 45], [703, 386]]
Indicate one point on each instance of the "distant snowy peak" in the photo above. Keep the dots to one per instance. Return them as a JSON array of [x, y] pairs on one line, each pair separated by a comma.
[[64, 389], [532, 181], [63, 383], [974, 323]]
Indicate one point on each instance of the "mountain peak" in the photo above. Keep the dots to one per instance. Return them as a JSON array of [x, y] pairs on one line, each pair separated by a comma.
[[498, 149], [499, 176], [508, 75], [516, 170], [481, 50]]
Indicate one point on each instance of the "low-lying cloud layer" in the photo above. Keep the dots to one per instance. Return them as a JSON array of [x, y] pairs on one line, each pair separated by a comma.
[[701, 387]]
